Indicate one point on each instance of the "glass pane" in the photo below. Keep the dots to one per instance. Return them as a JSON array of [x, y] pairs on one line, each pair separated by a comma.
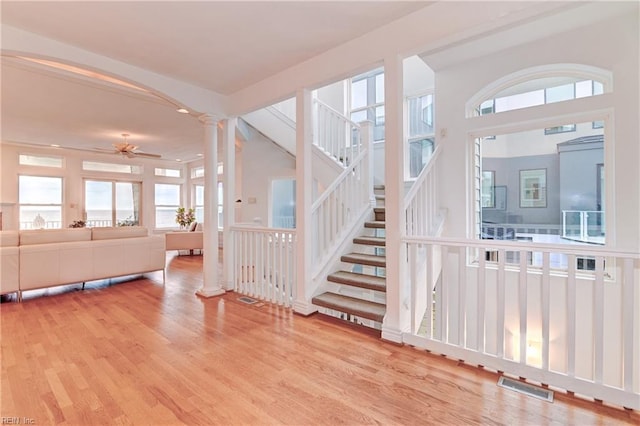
[[40, 190], [199, 195], [420, 116], [98, 203], [39, 160], [111, 167], [168, 172], [197, 172], [127, 203], [560, 93], [359, 116], [522, 100], [166, 217], [584, 89], [38, 217], [380, 88], [598, 88], [359, 94], [167, 194]]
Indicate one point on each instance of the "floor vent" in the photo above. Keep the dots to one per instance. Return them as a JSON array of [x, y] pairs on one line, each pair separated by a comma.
[[247, 300], [525, 388]]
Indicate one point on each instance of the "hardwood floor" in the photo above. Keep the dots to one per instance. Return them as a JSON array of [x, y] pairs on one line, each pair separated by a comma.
[[137, 352]]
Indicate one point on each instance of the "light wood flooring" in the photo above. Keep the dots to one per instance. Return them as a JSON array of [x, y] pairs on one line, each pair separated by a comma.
[[137, 352]]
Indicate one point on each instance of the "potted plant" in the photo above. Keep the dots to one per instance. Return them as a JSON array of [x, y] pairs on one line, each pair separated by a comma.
[[184, 217], [78, 224]]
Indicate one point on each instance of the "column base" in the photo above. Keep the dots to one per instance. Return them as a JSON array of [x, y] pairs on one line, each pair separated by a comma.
[[390, 335], [206, 293], [303, 308]]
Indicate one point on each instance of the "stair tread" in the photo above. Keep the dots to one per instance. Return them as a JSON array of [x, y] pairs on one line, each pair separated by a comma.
[[370, 282], [375, 241], [374, 224], [351, 305], [379, 209], [365, 259]]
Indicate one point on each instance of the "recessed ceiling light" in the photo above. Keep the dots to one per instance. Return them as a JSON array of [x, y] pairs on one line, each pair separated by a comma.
[[199, 155], [178, 160], [55, 145], [183, 110]]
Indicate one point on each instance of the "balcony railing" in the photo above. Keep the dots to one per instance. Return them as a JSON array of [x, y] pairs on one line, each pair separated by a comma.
[[586, 226]]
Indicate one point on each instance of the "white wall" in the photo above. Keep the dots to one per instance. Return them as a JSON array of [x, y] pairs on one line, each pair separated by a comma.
[[611, 45], [262, 160]]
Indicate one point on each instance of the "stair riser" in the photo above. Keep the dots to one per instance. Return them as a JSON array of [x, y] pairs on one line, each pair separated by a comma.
[[366, 315]]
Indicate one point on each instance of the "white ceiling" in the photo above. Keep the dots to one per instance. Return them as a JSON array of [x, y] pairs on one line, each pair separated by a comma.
[[221, 46]]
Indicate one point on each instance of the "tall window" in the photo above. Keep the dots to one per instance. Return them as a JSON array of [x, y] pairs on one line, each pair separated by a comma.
[[421, 132], [40, 200], [199, 204], [167, 201], [112, 203], [367, 101]]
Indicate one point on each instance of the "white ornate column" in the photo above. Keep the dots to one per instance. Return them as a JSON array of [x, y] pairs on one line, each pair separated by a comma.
[[210, 283], [395, 320], [229, 187], [304, 184]]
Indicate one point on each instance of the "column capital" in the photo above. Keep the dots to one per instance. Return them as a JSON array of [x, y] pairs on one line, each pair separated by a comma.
[[210, 118]]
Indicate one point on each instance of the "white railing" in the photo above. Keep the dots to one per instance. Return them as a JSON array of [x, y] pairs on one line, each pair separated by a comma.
[[335, 134], [420, 203], [513, 231], [49, 224], [569, 328], [583, 225], [343, 203], [264, 263]]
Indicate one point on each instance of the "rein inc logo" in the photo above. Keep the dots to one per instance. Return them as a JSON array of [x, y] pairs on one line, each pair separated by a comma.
[[17, 421]]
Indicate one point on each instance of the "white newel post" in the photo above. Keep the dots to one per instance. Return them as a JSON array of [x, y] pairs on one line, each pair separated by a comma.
[[210, 284], [304, 184], [396, 320], [229, 206]]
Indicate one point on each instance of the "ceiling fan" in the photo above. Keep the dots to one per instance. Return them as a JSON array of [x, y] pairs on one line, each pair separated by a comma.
[[128, 150]]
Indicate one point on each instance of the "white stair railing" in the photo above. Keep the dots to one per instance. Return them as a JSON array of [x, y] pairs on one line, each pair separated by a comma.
[[507, 306], [420, 205], [264, 261], [335, 134], [343, 203]]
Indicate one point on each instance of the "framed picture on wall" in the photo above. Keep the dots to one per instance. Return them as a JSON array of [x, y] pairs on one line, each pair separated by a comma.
[[533, 188]]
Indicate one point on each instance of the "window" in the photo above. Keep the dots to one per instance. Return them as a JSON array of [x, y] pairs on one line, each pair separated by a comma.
[[539, 92], [96, 166], [367, 101], [560, 129], [40, 160], [199, 204], [197, 172], [545, 189], [167, 201], [168, 172], [421, 132], [111, 203], [40, 200]]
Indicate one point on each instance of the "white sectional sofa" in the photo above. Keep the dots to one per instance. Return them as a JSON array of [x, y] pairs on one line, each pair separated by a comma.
[[51, 257]]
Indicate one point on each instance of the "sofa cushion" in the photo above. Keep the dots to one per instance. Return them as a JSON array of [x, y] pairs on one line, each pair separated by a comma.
[[9, 238], [47, 236], [109, 233]]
